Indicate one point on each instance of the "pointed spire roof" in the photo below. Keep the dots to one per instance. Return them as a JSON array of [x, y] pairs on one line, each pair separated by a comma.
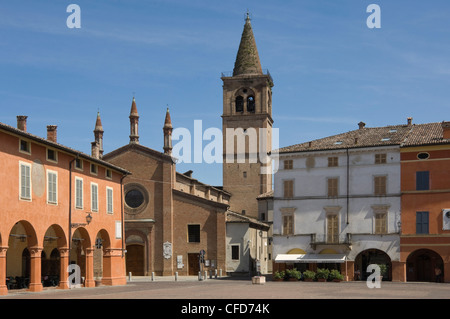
[[167, 121], [247, 59], [98, 124], [133, 111]]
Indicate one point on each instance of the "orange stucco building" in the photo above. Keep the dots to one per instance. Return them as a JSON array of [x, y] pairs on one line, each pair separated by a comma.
[[58, 207], [425, 221]]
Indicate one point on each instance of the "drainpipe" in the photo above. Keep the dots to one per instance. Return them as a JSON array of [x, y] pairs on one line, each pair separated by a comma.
[[122, 213], [348, 183], [70, 203]]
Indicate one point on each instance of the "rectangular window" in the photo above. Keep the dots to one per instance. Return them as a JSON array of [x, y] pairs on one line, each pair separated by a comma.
[[108, 174], [422, 222], [24, 146], [94, 197], [52, 155], [379, 185], [332, 229], [193, 233], [52, 187], [333, 161], [380, 158], [109, 200], [25, 181], [235, 252], [288, 189], [288, 164], [288, 224], [381, 223], [332, 187], [78, 193], [79, 164], [94, 169], [423, 180]]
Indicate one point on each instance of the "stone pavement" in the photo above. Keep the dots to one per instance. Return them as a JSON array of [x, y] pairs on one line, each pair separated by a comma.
[[230, 297], [241, 288]]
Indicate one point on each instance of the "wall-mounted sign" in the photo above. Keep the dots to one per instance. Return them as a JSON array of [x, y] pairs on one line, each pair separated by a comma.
[[167, 250]]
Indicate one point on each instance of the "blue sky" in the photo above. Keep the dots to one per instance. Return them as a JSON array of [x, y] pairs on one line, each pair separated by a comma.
[[330, 70]]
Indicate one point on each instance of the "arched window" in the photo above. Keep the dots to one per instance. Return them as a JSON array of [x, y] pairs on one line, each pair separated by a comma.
[[251, 104], [239, 104]]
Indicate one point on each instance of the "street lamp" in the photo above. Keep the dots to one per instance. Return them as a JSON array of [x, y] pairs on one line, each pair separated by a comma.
[[88, 221]]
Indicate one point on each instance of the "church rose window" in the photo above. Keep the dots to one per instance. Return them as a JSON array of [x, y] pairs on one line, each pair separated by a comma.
[[134, 198]]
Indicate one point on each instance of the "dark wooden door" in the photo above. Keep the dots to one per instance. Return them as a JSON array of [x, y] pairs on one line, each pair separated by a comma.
[[193, 264], [135, 260]]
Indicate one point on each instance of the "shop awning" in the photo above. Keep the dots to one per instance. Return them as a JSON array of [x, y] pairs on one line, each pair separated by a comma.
[[310, 258]]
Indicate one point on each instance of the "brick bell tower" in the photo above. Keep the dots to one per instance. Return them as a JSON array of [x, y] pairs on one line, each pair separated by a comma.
[[247, 109]]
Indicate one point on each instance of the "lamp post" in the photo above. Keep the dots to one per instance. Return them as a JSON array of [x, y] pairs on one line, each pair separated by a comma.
[[88, 221]]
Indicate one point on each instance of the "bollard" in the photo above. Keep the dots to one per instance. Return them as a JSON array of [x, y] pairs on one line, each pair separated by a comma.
[[206, 274], [215, 273], [200, 276], [210, 274], [220, 272], [153, 276], [129, 276], [176, 276]]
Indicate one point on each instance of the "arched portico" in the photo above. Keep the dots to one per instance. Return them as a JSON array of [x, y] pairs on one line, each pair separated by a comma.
[[421, 265], [23, 258], [372, 256], [81, 254]]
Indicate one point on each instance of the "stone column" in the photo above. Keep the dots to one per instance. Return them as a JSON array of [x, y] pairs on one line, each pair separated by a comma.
[[35, 275], [89, 280], [3, 287], [63, 272]]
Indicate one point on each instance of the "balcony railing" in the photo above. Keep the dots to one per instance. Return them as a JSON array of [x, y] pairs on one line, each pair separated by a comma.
[[325, 239]]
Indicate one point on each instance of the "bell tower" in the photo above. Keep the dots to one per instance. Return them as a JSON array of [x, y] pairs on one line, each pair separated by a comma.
[[247, 116]]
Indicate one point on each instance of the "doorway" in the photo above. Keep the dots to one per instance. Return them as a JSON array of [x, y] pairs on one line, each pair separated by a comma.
[[193, 264], [135, 260]]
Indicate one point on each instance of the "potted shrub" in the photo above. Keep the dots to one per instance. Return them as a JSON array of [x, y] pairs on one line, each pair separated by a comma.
[[383, 270], [309, 275], [293, 274], [279, 276], [322, 274], [336, 276]]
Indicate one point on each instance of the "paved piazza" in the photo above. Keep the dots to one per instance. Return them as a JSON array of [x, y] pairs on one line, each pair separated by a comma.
[[191, 288], [227, 297]]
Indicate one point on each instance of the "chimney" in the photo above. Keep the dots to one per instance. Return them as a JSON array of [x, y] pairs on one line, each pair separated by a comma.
[[95, 150], [361, 125], [51, 133], [446, 130], [22, 122], [409, 121]]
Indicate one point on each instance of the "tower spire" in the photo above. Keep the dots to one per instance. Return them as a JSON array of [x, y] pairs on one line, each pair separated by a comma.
[[98, 137], [247, 58], [167, 129], [134, 123]]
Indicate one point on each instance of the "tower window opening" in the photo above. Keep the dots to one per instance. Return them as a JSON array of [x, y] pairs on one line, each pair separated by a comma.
[[239, 104], [251, 104]]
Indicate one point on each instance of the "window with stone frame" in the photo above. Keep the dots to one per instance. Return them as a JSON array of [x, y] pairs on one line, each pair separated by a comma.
[[380, 185], [288, 188], [332, 186], [381, 223], [194, 233], [333, 161], [288, 224]]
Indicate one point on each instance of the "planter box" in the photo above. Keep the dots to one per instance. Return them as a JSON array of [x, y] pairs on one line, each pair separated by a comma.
[[308, 279], [258, 280], [321, 279]]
